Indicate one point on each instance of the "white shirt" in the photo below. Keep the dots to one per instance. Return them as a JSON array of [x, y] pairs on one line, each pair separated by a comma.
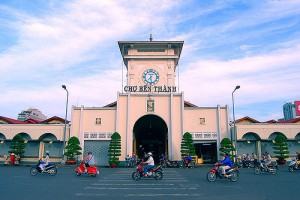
[[150, 161]]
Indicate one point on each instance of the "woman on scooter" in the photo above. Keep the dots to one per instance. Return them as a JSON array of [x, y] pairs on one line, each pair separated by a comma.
[[149, 162], [226, 162], [89, 161], [44, 161]]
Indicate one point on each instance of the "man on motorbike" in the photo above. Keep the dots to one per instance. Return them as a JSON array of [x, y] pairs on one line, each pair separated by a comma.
[[89, 161], [149, 162], [267, 160], [227, 163], [297, 159]]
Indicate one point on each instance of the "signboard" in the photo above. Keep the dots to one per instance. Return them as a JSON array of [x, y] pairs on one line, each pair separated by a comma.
[[297, 106]]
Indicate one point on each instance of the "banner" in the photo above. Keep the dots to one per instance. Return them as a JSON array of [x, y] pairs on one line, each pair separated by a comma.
[[297, 106]]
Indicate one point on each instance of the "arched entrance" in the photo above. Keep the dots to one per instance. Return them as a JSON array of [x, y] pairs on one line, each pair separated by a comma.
[[151, 132]]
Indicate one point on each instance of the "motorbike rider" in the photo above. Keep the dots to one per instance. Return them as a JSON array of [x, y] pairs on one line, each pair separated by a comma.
[[162, 158], [297, 159], [149, 162], [227, 163], [267, 160], [44, 161], [254, 158], [89, 161]]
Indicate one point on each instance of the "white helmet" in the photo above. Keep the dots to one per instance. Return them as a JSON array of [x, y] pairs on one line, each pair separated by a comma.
[[149, 154]]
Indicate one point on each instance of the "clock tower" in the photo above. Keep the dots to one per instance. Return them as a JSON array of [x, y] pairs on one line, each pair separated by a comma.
[[151, 65]]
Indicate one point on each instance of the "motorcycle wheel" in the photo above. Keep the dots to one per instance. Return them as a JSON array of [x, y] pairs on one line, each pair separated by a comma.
[[211, 177], [158, 175], [274, 171], [257, 170], [234, 176], [52, 171], [33, 171], [291, 169], [136, 176], [78, 174]]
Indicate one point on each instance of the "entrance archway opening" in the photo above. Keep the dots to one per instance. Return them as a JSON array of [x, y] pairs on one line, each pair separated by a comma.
[[151, 132]]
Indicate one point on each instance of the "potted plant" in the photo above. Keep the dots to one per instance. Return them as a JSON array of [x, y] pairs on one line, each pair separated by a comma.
[[187, 145], [17, 145], [114, 150], [72, 150], [281, 149], [227, 146]]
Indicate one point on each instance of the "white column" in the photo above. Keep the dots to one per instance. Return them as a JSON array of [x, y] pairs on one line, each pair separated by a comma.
[[170, 132]]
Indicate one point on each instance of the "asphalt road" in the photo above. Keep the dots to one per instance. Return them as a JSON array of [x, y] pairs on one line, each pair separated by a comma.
[[18, 184]]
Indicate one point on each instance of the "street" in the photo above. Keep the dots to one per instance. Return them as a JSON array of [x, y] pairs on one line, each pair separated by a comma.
[[177, 183]]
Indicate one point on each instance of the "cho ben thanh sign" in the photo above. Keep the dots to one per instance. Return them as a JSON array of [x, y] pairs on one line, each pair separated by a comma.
[[149, 88]]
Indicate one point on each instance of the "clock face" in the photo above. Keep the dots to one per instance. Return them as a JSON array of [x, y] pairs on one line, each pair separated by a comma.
[[150, 77]]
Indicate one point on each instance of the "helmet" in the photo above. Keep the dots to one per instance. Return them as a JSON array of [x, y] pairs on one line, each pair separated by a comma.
[[149, 154]]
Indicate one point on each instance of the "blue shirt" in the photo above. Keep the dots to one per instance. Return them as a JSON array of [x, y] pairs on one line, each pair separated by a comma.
[[227, 161]]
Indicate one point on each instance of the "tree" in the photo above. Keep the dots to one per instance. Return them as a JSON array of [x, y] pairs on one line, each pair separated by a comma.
[[227, 146], [114, 150], [17, 145], [187, 145], [73, 148], [281, 147]]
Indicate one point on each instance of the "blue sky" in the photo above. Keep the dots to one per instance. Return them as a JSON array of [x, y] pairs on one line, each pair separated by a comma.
[[45, 44]]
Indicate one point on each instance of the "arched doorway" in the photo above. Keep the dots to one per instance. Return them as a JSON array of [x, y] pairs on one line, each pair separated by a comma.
[[151, 132]]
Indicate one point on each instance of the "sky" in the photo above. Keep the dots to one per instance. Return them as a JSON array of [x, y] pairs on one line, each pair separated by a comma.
[[45, 44]]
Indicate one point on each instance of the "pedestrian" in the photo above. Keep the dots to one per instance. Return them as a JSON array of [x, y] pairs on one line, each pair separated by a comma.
[[12, 159]]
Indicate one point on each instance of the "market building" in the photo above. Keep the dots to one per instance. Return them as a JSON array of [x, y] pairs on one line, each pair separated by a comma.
[[150, 111]]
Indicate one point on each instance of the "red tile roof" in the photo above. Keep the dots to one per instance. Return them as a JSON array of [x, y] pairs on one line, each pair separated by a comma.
[[291, 120], [247, 118], [11, 121], [54, 118]]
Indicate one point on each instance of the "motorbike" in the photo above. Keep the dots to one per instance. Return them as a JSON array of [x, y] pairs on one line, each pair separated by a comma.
[[91, 170], [152, 173], [48, 169], [272, 168], [172, 164], [246, 164], [292, 165], [216, 172], [185, 163]]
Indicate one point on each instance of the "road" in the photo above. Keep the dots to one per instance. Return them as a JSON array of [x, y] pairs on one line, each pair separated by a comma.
[[18, 184]]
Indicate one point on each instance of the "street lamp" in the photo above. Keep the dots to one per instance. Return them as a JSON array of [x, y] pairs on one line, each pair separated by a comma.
[[234, 126], [65, 129]]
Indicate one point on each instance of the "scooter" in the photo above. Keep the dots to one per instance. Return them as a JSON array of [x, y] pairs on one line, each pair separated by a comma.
[[172, 164], [272, 168], [48, 169], [292, 165], [185, 163], [152, 173], [91, 170], [216, 172]]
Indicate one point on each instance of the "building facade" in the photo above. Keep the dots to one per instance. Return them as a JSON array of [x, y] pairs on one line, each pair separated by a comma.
[[151, 111]]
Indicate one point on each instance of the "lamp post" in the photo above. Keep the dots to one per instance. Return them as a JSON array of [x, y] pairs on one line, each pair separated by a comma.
[[234, 126], [65, 128]]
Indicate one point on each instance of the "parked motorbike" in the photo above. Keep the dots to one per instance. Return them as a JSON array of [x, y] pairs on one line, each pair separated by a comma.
[[216, 172], [172, 164], [91, 170], [185, 163], [272, 168], [292, 165], [49, 169], [152, 173]]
